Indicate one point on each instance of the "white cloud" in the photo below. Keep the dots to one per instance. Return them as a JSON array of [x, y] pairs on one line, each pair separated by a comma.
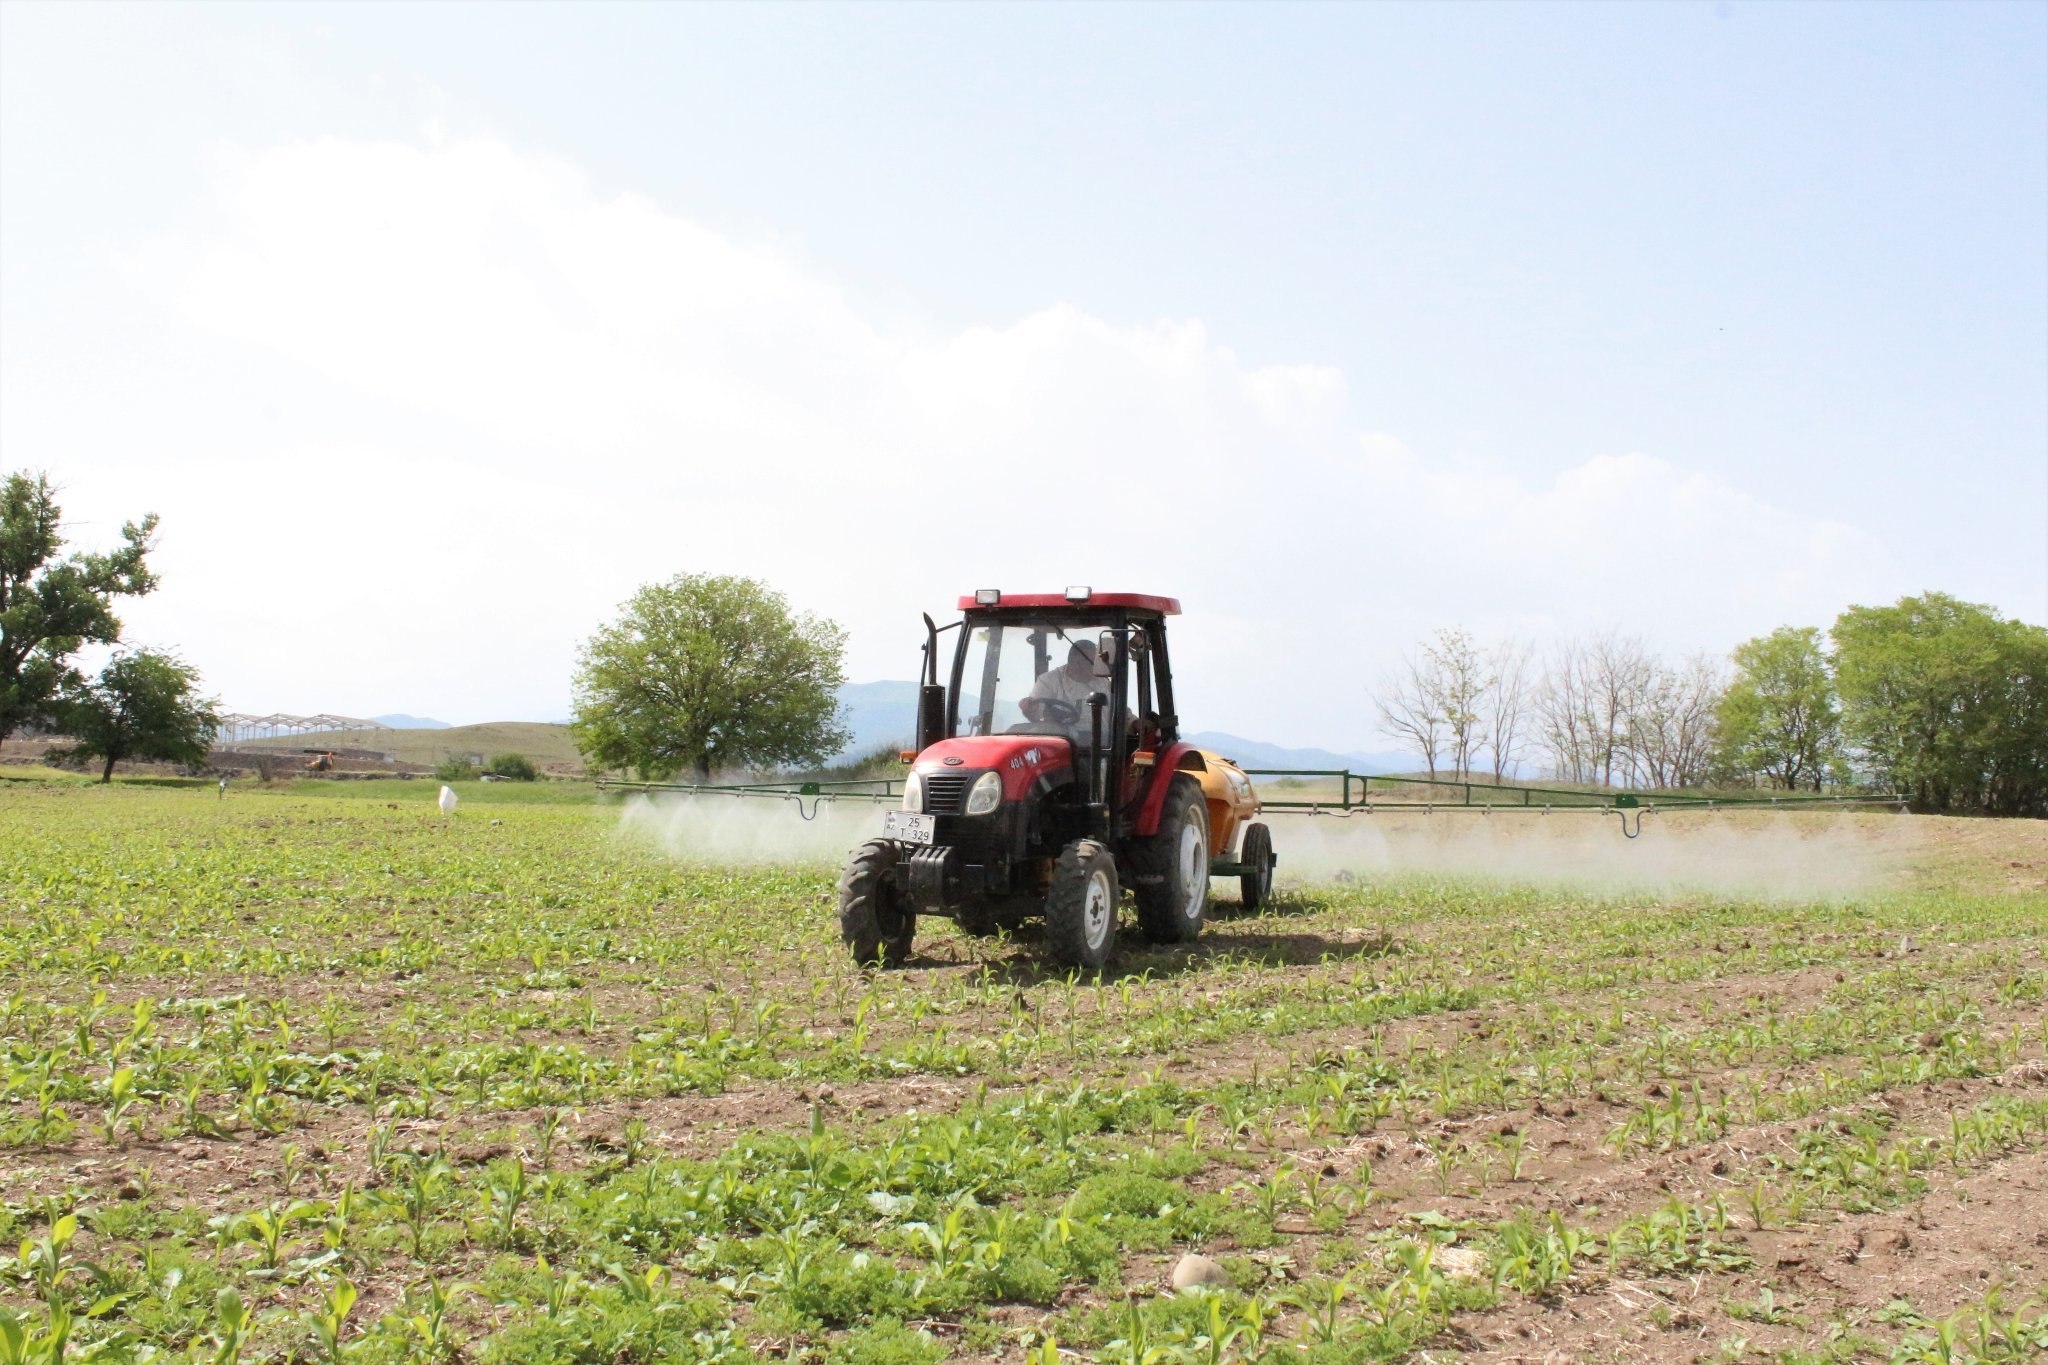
[[598, 392]]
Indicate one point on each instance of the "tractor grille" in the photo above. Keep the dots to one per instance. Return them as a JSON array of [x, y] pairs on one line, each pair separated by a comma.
[[945, 793]]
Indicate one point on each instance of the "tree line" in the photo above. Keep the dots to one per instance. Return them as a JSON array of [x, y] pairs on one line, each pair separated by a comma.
[[1939, 701], [143, 704]]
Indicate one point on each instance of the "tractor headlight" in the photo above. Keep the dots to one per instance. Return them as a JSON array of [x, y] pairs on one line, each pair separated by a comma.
[[913, 793], [986, 794]]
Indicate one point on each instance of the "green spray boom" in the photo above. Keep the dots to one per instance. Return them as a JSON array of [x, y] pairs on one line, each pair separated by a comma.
[[1336, 792]]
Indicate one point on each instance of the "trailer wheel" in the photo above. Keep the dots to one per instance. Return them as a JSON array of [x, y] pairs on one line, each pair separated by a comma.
[[1080, 906], [1170, 870], [874, 918], [1255, 888]]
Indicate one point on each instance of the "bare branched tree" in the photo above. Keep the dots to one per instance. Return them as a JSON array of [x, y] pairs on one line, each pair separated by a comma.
[[1510, 669], [1457, 674], [1620, 675], [1408, 703], [1563, 713], [1603, 709], [1672, 733], [1702, 681]]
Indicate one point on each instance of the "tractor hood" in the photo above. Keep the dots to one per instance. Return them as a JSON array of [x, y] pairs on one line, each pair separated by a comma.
[[1021, 759]]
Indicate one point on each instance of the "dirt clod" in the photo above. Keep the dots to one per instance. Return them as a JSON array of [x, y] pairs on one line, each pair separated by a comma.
[[1198, 1272]]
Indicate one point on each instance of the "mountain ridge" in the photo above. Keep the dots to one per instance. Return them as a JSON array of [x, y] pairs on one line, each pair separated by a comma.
[[882, 715]]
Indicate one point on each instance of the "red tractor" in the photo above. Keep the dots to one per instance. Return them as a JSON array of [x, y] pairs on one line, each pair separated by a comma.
[[1049, 777]]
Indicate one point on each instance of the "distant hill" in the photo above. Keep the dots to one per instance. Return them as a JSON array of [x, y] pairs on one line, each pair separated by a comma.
[[548, 746], [882, 713], [1252, 753], [878, 713]]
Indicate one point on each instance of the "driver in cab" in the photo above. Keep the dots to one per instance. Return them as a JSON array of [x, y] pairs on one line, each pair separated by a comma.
[[1060, 696]]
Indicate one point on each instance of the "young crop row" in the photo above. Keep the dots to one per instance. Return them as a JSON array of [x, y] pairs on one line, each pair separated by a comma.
[[1012, 1202], [447, 1084], [240, 1064]]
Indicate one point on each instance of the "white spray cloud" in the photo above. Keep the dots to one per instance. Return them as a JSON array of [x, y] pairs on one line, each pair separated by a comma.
[[638, 396], [1750, 854], [1811, 855], [751, 830]]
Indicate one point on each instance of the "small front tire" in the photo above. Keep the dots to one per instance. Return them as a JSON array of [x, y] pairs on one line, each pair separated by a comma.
[[875, 918], [1255, 888], [1080, 906]]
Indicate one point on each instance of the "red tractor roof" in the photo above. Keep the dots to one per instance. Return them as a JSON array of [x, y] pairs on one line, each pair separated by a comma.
[[1023, 601]]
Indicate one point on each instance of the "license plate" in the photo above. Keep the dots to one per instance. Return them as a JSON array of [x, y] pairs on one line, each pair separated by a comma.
[[911, 829]]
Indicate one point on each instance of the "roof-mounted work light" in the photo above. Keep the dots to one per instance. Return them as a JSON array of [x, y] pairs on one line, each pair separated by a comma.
[[987, 597], [1078, 594]]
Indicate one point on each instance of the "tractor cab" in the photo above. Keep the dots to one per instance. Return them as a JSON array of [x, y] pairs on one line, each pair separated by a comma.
[[1086, 668], [1049, 777]]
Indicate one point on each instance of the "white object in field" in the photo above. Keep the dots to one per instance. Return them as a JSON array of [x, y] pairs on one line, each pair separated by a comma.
[[1199, 1272], [447, 800]]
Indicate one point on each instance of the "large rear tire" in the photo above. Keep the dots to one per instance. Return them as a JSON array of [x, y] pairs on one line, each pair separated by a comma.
[[1170, 870], [1080, 906], [1255, 888], [874, 918]]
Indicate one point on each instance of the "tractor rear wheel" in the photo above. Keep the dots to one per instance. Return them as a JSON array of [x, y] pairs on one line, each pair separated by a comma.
[[1080, 906], [1255, 887], [875, 919], [1170, 870]]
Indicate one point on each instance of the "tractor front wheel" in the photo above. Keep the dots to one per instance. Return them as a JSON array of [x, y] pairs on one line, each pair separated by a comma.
[[1080, 906], [1255, 887], [1171, 868], [874, 917]]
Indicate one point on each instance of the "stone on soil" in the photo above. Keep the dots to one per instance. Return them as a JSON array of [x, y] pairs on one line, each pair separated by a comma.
[[1191, 1272]]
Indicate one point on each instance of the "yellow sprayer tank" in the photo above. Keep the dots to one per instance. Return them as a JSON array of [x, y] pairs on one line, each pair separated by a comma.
[[1232, 803]]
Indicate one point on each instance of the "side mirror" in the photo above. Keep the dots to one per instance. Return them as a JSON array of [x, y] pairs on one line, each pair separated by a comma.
[[1106, 646]]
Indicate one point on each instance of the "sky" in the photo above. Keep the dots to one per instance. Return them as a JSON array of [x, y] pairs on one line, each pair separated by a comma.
[[433, 331]]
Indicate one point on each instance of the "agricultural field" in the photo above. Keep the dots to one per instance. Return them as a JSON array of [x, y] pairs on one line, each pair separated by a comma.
[[320, 1075]]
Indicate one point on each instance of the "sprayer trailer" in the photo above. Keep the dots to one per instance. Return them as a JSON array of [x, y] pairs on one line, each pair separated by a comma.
[[1049, 778]]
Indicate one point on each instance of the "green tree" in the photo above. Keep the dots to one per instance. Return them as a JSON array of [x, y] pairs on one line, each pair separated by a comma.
[[51, 607], [456, 768], [144, 705], [1779, 717], [707, 673], [1946, 702], [517, 767]]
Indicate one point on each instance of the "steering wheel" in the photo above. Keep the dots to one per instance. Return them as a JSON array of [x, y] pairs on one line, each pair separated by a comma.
[[1053, 711]]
